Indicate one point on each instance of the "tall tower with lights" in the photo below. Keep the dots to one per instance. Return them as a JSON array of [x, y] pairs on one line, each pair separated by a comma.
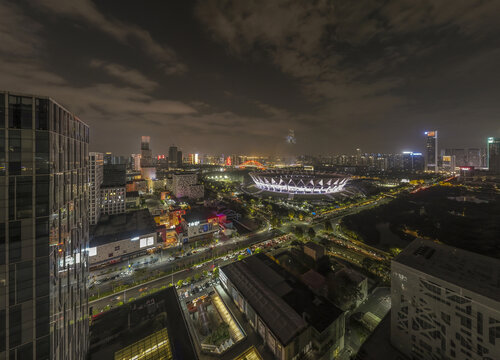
[[431, 151]]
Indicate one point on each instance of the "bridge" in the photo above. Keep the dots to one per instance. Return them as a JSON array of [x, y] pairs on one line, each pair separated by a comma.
[[252, 163]]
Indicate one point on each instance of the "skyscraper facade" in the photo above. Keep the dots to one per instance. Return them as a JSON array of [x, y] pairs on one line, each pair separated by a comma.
[[96, 164], [44, 229], [148, 171], [445, 303], [431, 151], [172, 156], [493, 154]]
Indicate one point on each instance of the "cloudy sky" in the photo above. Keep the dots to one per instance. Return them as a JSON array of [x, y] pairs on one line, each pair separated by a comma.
[[233, 76]]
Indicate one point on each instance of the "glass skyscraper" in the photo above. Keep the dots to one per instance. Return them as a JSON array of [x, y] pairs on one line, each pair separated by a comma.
[[494, 154], [44, 230], [431, 151]]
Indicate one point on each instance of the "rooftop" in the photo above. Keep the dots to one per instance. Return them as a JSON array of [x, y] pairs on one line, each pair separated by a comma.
[[477, 273], [199, 214], [149, 327], [285, 304], [313, 279], [111, 228], [314, 246]]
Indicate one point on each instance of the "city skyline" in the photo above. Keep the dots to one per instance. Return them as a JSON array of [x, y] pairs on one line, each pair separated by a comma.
[[208, 78]]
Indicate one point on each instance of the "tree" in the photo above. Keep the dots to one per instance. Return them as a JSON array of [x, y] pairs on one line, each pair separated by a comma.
[[188, 280], [241, 257], [311, 233], [395, 251], [180, 283], [197, 276], [301, 216], [215, 272], [346, 292], [295, 243], [299, 232], [291, 215]]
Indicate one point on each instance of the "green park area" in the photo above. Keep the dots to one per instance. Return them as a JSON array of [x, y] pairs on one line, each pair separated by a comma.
[[454, 215]]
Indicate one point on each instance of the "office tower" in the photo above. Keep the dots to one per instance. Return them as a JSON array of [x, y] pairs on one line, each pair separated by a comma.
[[113, 189], [474, 157], [358, 157], [431, 151], [136, 162], [172, 156], [148, 171], [193, 159], [44, 227], [108, 158], [448, 163], [179, 159], [445, 303], [459, 154], [493, 156], [96, 162], [413, 161]]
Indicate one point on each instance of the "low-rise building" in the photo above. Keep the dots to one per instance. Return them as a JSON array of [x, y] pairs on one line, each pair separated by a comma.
[[290, 318], [121, 236], [314, 250], [132, 199], [200, 224]]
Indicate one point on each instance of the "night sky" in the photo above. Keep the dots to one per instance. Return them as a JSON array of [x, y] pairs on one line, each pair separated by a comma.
[[234, 76]]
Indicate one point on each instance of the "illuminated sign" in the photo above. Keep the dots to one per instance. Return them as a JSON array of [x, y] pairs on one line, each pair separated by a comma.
[[430, 133], [92, 251], [135, 238], [149, 241], [446, 158], [194, 223]]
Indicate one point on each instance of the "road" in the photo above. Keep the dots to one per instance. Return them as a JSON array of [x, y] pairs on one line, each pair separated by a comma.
[[181, 263]]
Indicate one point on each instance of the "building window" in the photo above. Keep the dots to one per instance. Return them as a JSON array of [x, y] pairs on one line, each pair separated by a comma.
[[20, 116], [117, 248], [110, 255]]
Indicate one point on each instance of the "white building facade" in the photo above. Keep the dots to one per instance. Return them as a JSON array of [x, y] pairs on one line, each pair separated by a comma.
[[445, 303]]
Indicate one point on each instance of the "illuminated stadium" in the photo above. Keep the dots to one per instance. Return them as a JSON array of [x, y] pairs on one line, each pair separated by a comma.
[[299, 182]]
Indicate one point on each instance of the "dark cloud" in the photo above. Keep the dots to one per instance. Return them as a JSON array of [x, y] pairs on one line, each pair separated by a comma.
[[234, 76]]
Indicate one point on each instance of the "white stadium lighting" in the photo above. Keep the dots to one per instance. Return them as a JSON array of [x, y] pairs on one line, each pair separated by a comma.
[[319, 183]]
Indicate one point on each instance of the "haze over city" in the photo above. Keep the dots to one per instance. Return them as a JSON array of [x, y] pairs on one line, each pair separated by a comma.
[[233, 77], [249, 180]]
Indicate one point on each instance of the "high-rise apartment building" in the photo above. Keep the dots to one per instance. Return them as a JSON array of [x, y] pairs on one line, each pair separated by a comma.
[[172, 156], [431, 151], [179, 159], [113, 189], [44, 230], [148, 170], [136, 162], [96, 164], [412, 161], [445, 303], [493, 157]]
